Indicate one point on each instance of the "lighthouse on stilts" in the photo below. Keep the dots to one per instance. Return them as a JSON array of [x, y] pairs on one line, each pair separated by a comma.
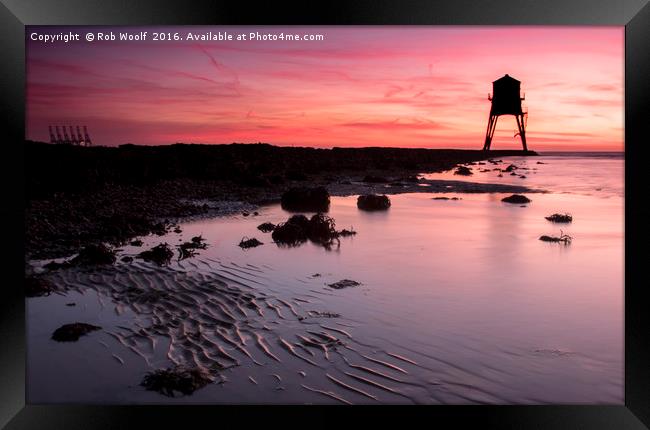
[[506, 100]]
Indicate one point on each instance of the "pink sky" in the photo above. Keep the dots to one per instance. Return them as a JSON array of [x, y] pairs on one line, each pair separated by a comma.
[[361, 86]]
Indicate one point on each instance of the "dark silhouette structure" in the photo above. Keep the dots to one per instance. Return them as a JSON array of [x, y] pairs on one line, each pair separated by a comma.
[[506, 100], [74, 138]]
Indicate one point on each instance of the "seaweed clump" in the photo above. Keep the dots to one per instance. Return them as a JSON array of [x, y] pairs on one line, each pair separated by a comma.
[[562, 218], [72, 332], [189, 249], [36, 287], [90, 255], [315, 199], [463, 171], [94, 255], [344, 283], [266, 227], [293, 232], [160, 254], [319, 229], [246, 243], [176, 379], [516, 199], [564, 238], [373, 202]]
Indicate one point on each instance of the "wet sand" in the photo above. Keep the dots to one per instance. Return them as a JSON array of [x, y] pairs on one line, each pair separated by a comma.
[[484, 314]]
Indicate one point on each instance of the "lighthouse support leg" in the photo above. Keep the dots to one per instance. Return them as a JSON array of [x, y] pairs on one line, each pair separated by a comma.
[[522, 131], [492, 124]]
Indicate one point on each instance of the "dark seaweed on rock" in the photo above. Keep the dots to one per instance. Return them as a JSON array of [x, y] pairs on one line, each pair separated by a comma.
[[36, 286], [510, 168], [90, 255], [293, 232], [561, 218], [373, 202], [266, 227], [246, 243], [463, 171], [320, 229], [72, 332], [315, 199], [176, 379], [189, 249], [564, 238], [346, 232], [160, 254], [516, 199], [344, 283], [94, 255]]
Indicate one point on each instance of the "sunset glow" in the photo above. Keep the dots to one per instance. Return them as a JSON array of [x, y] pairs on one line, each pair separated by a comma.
[[360, 86]]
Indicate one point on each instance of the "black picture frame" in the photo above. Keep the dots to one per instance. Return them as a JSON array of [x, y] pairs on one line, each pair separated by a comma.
[[16, 14]]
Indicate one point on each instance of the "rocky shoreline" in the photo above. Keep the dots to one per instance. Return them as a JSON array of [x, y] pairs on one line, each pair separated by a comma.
[[95, 198]]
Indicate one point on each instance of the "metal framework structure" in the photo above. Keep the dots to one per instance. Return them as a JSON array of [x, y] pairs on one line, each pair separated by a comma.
[[506, 100], [69, 136]]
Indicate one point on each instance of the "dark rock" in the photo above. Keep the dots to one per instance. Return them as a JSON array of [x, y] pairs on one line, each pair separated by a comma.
[[344, 283], [160, 254], [136, 242], [510, 168], [127, 259], [373, 202], [72, 332], [516, 199], [177, 379], [306, 199]]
